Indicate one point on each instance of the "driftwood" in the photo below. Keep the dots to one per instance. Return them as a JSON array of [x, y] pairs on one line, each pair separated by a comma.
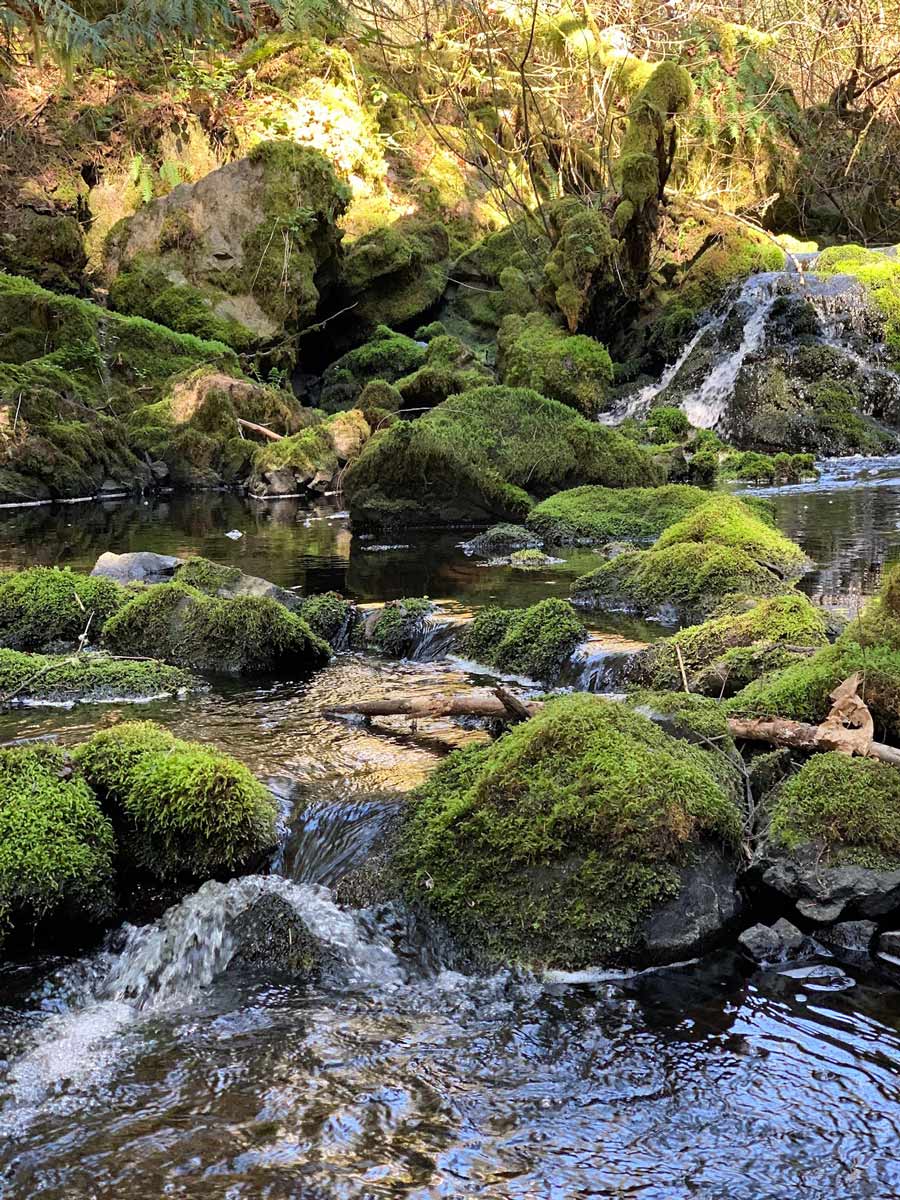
[[460, 704], [254, 428]]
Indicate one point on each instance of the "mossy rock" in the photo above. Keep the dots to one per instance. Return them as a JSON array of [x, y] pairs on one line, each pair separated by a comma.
[[47, 247], [565, 842], [181, 809], [778, 469], [249, 244], [597, 514], [147, 291], [501, 540], [535, 352], [536, 641], [501, 275], [879, 275], [387, 357], [56, 844], [449, 368], [397, 628], [41, 606], [581, 280], [228, 583], [483, 456], [86, 679], [309, 461], [397, 273], [249, 635], [730, 650], [330, 616]]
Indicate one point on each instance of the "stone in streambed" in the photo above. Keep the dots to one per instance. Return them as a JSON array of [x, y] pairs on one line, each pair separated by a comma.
[[778, 943], [141, 566], [854, 937]]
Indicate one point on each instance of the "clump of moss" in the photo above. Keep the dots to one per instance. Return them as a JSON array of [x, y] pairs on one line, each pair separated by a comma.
[[778, 469], [85, 678], [56, 845], [181, 808], [398, 628], [730, 650], [249, 635], [848, 806], [535, 641], [727, 521], [311, 459], [558, 842], [387, 357], [481, 456], [449, 368], [148, 292], [667, 424], [534, 352], [330, 616], [43, 605], [580, 270], [398, 272], [600, 514]]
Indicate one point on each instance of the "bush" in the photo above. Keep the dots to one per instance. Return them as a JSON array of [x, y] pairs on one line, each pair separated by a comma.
[[42, 605], [182, 809]]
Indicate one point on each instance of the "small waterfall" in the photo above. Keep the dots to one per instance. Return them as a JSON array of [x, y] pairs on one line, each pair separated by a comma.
[[438, 638], [638, 405]]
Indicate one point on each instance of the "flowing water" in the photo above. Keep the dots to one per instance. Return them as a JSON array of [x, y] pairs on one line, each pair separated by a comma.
[[164, 1065]]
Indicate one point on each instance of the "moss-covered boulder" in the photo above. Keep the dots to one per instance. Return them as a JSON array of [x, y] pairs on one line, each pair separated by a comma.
[[535, 352], [396, 629], [499, 276], [179, 808], [482, 456], [309, 461], [449, 368], [585, 834], [832, 839], [331, 616], [387, 356], [249, 635], [743, 641], [43, 606], [879, 274], [69, 371], [398, 272], [501, 540], [47, 247], [228, 583], [193, 429], [595, 515], [56, 844], [580, 277], [86, 679], [536, 641], [244, 250]]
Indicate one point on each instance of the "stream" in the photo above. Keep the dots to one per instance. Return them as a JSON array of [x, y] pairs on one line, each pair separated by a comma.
[[150, 1069]]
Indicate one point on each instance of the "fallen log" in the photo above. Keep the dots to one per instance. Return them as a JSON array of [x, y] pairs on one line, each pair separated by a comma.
[[460, 704], [254, 428], [798, 735]]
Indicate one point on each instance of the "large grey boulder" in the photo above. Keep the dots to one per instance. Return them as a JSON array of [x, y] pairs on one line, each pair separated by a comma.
[[142, 566]]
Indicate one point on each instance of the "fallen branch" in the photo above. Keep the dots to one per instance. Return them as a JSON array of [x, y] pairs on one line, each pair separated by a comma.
[[460, 704], [261, 429]]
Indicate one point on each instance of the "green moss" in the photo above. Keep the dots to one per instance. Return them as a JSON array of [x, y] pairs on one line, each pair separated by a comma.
[[555, 844], [727, 521], [472, 458], [56, 846], [85, 678], [398, 272], [879, 275], [182, 809], [386, 357], [329, 616], [48, 247], [599, 514], [535, 641], [727, 652], [695, 718], [399, 626], [185, 627], [42, 605], [580, 269], [501, 540], [779, 469], [534, 352], [148, 292], [207, 576], [449, 368], [667, 424], [849, 806]]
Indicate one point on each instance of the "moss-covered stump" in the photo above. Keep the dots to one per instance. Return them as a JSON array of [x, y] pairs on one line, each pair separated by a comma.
[[85, 679], [482, 456], [56, 845], [535, 641], [179, 808], [69, 371], [595, 515], [535, 352], [586, 834], [243, 251], [397, 628], [44, 606], [310, 461], [249, 635], [47, 247], [832, 839], [734, 647], [194, 428], [387, 356], [397, 273]]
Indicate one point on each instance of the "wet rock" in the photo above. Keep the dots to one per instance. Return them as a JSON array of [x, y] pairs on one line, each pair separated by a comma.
[[889, 946], [46, 246], [776, 943], [853, 936], [230, 582], [501, 540], [706, 904], [139, 567], [271, 935], [826, 893]]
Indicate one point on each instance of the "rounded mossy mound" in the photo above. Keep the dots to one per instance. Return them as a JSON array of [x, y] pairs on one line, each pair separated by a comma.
[[397, 628], [181, 808], [398, 272], [330, 616], [535, 352], [599, 514], [249, 635], [56, 845], [735, 646], [43, 605], [562, 843], [483, 455], [387, 357], [848, 807], [501, 540], [535, 641], [85, 678]]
